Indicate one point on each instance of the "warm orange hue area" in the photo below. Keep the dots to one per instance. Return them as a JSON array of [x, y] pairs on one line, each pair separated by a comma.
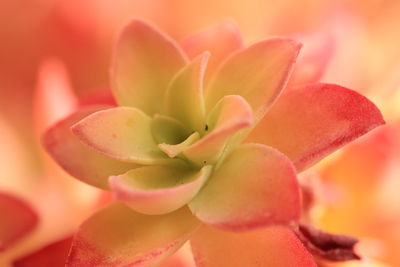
[[352, 43], [363, 182]]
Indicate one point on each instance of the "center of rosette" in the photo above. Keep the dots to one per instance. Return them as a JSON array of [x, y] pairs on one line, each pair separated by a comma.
[[171, 135]]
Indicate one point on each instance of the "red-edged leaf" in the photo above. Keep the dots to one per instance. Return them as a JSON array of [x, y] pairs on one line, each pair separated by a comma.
[[118, 236], [158, 189], [275, 246], [254, 187], [257, 73], [310, 122], [145, 60], [78, 159]]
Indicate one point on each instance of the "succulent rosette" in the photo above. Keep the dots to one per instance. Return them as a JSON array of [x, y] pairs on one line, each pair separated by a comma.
[[203, 146]]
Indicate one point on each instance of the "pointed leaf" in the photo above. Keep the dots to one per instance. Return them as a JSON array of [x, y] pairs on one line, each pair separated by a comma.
[[184, 98], [275, 246], [158, 189], [254, 187], [257, 73], [145, 60], [76, 158], [118, 236], [231, 114], [310, 122], [122, 133], [174, 150]]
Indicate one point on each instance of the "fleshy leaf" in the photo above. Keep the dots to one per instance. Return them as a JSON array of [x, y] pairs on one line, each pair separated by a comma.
[[231, 114], [53, 255], [257, 73], [118, 236], [16, 221], [122, 133], [267, 247], [254, 187], [221, 40], [310, 122], [184, 98], [174, 150], [158, 189], [76, 158], [168, 130], [145, 60]]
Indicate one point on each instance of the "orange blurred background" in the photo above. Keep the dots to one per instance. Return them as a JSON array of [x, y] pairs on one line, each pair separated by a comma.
[[52, 51]]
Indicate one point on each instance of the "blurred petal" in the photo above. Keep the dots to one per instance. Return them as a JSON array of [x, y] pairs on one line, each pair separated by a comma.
[[144, 63], [54, 97], [54, 255], [76, 158], [257, 73], [184, 98], [122, 133], [314, 58], [274, 246], [101, 97], [221, 40], [254, 187], [327, 246], [118, 236], [231, 114], [310, 122], [16, 221], [158, 189]]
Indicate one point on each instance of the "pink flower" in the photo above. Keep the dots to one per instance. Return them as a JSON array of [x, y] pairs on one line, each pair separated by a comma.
[[204, 149]]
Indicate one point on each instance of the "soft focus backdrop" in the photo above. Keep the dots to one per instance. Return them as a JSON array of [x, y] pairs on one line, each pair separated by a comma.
[[55, 55]]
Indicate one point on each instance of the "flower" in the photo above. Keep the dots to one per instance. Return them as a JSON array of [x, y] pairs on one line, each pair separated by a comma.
[[207, 154]]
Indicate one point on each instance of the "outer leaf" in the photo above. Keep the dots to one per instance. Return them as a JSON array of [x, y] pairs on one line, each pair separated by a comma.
[[145, 60], [254, 187], [158, 189], [118, 236], [257, 73], [267, 247], [121, 133], [76, 158], [184, 99], [311, 122], [230, 115], [221, 40], [16, 221]]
